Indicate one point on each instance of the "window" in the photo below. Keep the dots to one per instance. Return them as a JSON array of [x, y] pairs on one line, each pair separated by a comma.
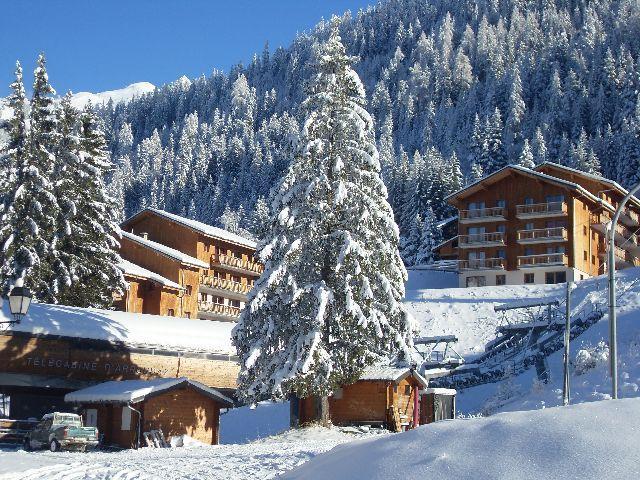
[[529, 278], [395, 389], [170, 312], [476, 205], [235, 303], [501, 203], [593, 259], [501, 253], [555, 198], [557, 249], [407, 389], [477, 281], [218, 300], [337, 394], [217, 274], [126, 419], [584, 230], [235, 278], [529, 226], [528, 251], [555, 277], [528, 201], [501, 228], [585, 255], [5, 403], [189, 289], [203, 297], [501, 279]]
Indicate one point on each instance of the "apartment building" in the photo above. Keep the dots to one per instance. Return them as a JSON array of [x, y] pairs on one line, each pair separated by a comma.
[[212, 269], [547, 225]]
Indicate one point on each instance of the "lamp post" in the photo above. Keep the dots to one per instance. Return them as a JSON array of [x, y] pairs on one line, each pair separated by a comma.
[[613, 332], [19, 302]]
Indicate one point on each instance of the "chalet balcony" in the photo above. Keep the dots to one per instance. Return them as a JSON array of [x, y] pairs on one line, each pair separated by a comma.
[[224, 287], [544, 260], [476, 240], [239, 265], [541, 210], [482, 264], [624, 238], [623, 258], [217, 311], [542, 235], [479, 215], [630, 218]]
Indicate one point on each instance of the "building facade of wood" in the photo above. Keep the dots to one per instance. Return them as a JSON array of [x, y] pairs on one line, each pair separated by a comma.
[[547, 225], [214, 269]]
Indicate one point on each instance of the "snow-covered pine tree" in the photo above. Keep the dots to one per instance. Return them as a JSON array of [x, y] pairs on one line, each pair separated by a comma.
[[30, 207], [526, 156], [328, 302], [430, 237], [92, 245]]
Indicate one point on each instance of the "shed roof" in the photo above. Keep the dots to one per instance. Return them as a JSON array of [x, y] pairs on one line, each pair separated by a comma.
[[183, 258], [195, 225], [130, 268], [134, 391], [391, 373]]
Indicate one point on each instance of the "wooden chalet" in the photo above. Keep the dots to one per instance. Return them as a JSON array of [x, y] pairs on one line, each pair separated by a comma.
[[385, 396], [546, 225], [123, 411], [214, 268]]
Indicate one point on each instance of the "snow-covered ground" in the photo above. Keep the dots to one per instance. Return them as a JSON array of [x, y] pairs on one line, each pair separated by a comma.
[[120, 95], [593, 441], [262, 459]]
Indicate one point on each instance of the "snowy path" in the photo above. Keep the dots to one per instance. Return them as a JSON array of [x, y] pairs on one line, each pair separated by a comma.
[[260, 460]]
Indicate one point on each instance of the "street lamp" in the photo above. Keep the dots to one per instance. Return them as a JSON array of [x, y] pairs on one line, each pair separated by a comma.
[[613, 333], [19, 302]]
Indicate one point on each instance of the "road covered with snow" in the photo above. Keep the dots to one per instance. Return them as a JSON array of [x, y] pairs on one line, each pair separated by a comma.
[[262, 459]]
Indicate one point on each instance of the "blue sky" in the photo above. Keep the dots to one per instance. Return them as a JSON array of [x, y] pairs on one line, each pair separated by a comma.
[[103, 45]]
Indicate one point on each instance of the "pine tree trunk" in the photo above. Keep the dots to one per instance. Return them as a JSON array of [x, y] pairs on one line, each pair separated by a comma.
[[322, 410]]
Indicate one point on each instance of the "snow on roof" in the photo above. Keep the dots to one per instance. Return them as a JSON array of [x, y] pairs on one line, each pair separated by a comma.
[[200, 227], [167, 251], [584, 192], [134, 270], [440, 391], [131, 329], [446, 221], [390, 373], [133, 391], [444, 242]]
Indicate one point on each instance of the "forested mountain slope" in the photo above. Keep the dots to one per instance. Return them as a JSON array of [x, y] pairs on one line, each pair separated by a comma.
[[458, 88]]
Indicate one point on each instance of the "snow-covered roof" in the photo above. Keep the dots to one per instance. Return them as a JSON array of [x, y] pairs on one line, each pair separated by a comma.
[[440, 391], [166, 251], [199, 227], [441, 244], [391, 373], [446, 221], [134, 330], [134, 270], [559, 181], [134, 391]]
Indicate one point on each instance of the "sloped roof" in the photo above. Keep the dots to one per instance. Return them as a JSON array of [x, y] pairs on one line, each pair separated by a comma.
[[391, 373], [134, 391], [166, 251], [504, 171], [199, 227], [599, 178], [130, 268]]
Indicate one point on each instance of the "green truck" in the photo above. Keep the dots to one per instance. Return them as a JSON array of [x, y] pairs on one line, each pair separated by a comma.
[[61, 431]]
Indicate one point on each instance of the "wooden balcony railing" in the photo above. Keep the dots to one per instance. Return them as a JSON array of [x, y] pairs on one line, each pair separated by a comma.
[[542, 235], [238, 263], [541, 209], [541, 260], [481, 239], [219, 309], [482, 214], [482, 264], [224, 284]]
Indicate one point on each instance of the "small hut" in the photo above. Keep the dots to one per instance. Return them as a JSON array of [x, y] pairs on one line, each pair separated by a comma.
[[124, 410], [386, 396]]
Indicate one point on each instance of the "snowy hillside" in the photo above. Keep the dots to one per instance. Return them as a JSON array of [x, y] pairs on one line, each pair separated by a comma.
[[468, 313], [135, 90], [575, 442]]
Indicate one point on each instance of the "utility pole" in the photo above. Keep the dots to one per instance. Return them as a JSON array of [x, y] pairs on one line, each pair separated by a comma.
[[613, 332], [567, 338]]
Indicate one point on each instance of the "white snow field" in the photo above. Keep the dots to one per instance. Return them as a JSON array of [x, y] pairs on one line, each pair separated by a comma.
[[262, 459], [121, 95], [590, 441]]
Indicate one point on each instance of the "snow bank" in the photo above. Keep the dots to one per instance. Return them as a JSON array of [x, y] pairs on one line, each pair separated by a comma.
[[576, 442], [246, 424], [131, 329]]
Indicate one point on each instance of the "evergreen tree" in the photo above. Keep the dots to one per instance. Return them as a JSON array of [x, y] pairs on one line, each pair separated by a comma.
[[526, 157], [30, 207], [430, 237], [328, 303]]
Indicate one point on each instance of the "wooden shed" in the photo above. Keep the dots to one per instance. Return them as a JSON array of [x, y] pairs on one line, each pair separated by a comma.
[[124, 410], [384, 396]]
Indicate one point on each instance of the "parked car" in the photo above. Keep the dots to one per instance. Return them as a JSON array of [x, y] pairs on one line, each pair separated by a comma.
[[59, 431]]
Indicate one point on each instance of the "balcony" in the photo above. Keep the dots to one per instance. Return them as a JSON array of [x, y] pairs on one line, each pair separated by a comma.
[[225, 287], [482, 264], [236, 264], [475, 240], [624, 238], [541, 210], [623, 258], [542, 235], [546, 259], [478, 215], [630, 218], [217, 311]]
